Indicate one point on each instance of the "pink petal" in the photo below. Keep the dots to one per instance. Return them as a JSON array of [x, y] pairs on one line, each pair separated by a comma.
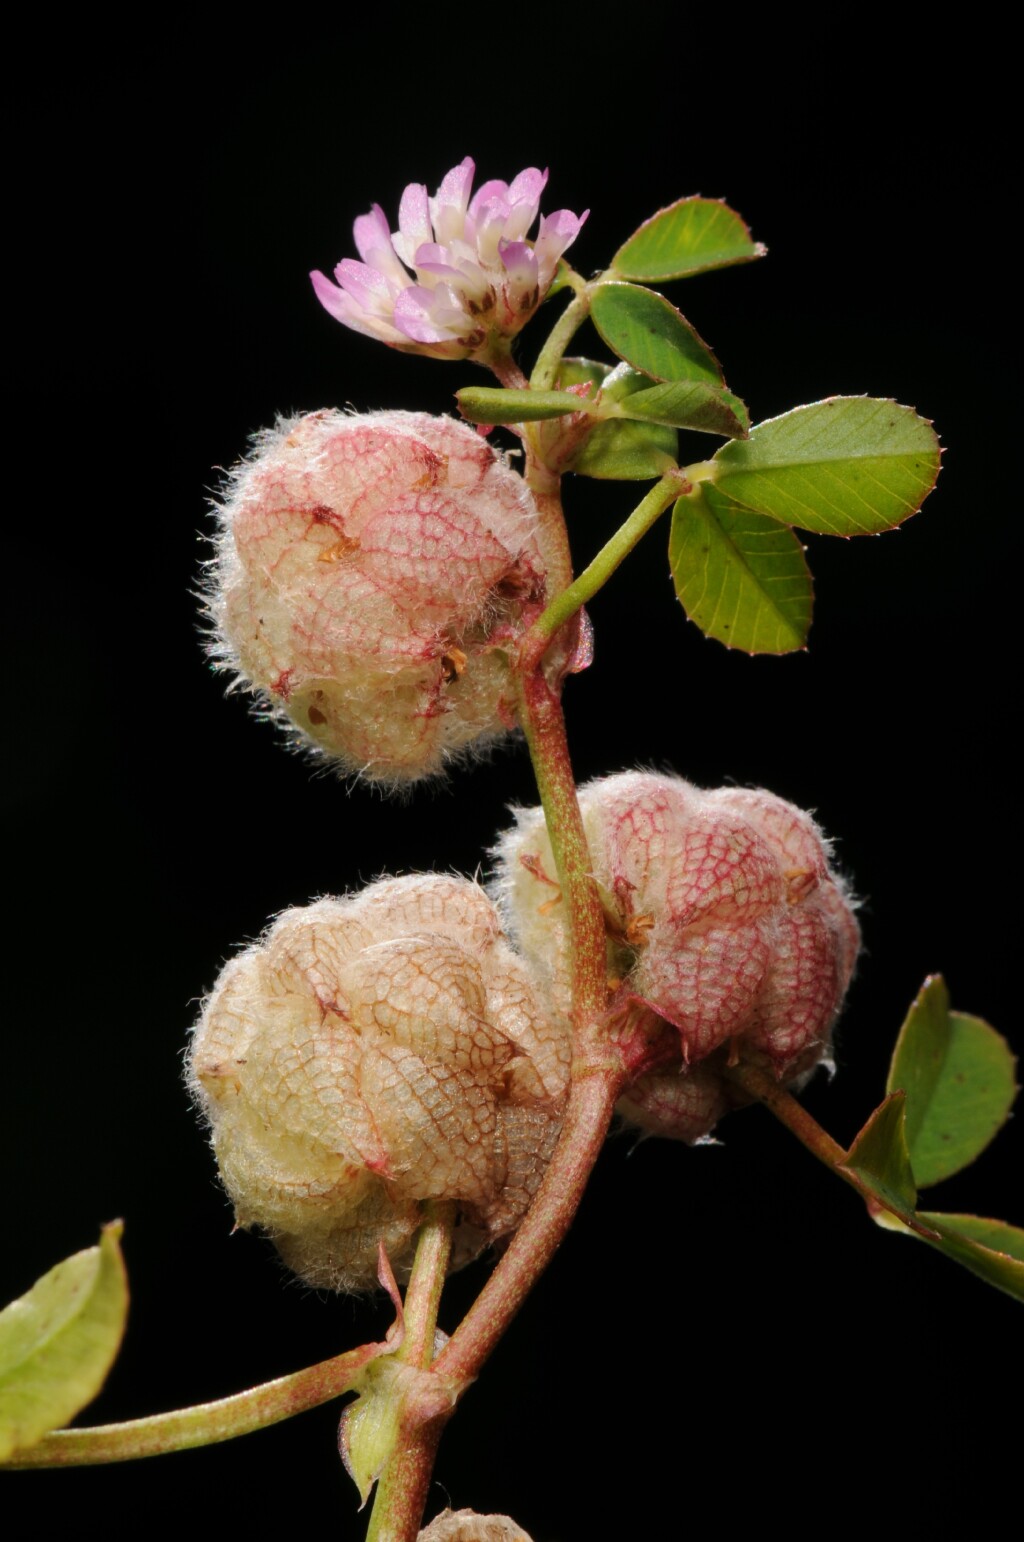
[[487, 193], [473, 281], [490, 228], [372, 234], [449, 310], [520, 264], [347, 310], [414, 316], [377, 255], [448, 209], [557, 232], [366, 285], [413, 222], [438, 270], [467, 277], [431, 251], [520, 217], [528, 187], [431, 258]]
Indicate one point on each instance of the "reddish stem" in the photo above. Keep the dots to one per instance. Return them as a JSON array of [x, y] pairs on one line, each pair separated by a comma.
[[204, 1424], [790, 1113], [588, 1114], [540, 713], [398, 1514], [597, 1078]]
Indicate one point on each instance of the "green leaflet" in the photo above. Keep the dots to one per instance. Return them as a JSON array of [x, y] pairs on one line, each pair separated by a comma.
[[851, 465], [59, 1340], [690, 236], [647, 331], [958, 1075], [630, 452], [740, 576]]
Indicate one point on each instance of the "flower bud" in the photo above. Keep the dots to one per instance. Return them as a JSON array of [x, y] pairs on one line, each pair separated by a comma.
[[724, 920], [468, 1526], [368, 570], [372, 1053]]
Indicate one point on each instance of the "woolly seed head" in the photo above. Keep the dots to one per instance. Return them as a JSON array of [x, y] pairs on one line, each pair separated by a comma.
[[372, 1053], [369, 572], [725, 920]]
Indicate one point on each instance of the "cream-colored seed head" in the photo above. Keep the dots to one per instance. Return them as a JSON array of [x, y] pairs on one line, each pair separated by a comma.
[[372, 1053], [468, 1526], [369, 570]]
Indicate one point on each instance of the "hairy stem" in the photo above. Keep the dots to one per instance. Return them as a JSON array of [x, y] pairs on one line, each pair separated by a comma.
[[203, 1425], [540, 714], [561, 335], [565, 605], [402, 1492], [501, 363], [426, 1282], [792, 1114], [588, 1114], [596, 1077], [553, 538], [828, 1151]]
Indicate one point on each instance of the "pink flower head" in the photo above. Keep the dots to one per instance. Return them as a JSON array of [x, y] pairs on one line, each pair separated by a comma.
[[476, 276]]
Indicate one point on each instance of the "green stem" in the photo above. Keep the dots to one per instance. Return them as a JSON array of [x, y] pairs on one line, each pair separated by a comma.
[[402, 1492], [203, 1425], [561, 335], [426, 1282], [565, 605]]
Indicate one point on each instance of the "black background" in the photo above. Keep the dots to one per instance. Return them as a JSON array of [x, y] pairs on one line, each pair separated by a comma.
[[724, 1327]]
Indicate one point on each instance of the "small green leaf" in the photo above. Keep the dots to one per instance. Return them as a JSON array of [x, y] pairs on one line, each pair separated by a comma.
[[992, 1249], [580, 371], [958, 1075], [998, 1236], [880, 1162], [648, 332], [623, 382], [688, 404], [58, 1342], [369, 1426], [490, 404], [369, 1430], [625, 451], [740, 409], [628, 393], [690, 236], [740, 576], [560, 280], [851, 465]]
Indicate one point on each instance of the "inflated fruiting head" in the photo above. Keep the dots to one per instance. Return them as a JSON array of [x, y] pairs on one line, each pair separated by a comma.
[[369, 572], [372, 1053], [468, 1526], [724, 920]]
